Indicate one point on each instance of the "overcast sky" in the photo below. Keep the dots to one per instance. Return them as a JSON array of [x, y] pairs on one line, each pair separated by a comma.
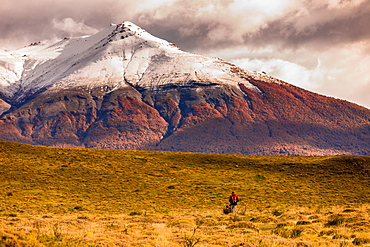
[[320, 45]]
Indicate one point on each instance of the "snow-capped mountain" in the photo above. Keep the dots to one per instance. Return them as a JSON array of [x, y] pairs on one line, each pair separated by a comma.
[[124, 88], [119, 56]]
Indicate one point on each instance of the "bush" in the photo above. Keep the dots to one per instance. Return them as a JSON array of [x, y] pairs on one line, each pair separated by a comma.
[[164, 210], [349, 210], [82, 217], [16, 239], [180, 223], [288, 232], [360, 241], [263, 219], [296, 232], [303, 222], [134, 213], [278, 212], [340, 236], [327, 233], [335, 220], [303, 244], [191, 241]]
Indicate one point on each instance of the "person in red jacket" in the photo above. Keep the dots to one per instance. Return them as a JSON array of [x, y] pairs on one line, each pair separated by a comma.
[[233, 199]]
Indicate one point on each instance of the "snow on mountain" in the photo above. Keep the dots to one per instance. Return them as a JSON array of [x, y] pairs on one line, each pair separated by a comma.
[[124, 88], [118, 56]]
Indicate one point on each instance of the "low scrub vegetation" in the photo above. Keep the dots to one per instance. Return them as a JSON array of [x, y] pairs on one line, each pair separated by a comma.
[[187, 228], [89, 197]]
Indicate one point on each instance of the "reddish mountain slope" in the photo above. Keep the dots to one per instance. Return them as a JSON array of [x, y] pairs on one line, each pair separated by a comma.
[[284, 120], [123, 88]]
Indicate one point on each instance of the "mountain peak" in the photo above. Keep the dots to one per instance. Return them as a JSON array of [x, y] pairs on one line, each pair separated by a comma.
[[134, 30], [125, 88], [121, 55], [131, 26], [126, 26]]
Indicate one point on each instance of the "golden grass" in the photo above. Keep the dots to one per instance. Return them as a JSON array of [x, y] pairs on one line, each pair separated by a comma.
[[176, 228], [89, 197]]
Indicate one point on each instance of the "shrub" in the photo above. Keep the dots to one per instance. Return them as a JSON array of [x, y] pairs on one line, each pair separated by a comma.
[[278, 212], [281, 225], [303, 244], [340, 236], [191, 241], [314, 217], [208, 222], [303, 222], [296, 232], [360, 241], [82, 217], [164, 210], [16, 239], [51, 239], [180, 223], [263, 219], [335, 220], [328, 233], [134, 213], [57, 234], [349, 210], [288, 232]]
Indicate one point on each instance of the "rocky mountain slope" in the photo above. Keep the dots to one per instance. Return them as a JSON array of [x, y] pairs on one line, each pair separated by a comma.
[[124, 88]]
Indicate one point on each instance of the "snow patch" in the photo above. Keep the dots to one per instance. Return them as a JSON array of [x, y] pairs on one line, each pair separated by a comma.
[[120, 55]]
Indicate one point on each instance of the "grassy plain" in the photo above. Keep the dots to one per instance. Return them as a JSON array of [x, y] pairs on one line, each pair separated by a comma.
[[89, 197]]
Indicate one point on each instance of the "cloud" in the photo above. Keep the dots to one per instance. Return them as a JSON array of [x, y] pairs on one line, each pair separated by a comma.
[[285, 70], [73, 28], [198, 25], [210, 24], [206, 25], [341, 73], [318, 25], [25, 21]]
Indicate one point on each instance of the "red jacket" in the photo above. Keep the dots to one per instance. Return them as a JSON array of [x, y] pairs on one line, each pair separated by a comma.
[[233, 199]]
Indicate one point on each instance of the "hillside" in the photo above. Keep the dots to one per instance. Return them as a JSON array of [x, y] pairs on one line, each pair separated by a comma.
[[90, 197], [124, 88], [57, 179]]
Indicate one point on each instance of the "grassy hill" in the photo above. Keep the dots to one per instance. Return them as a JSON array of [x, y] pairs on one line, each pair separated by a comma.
[[55, 184]]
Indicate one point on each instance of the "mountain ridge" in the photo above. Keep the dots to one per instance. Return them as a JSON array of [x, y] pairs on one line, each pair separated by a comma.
[[123, 46], [124, 88]]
